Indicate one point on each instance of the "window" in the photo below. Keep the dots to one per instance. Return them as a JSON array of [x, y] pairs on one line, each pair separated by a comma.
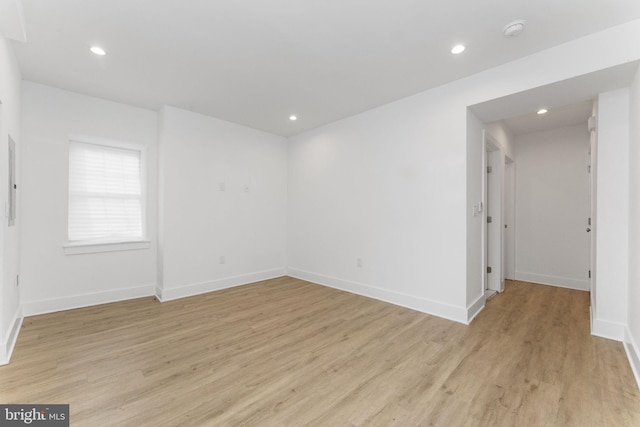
[[106, 193]]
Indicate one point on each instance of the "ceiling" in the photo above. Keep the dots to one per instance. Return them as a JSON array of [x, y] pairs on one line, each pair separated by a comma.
[[569, 102], [565, 115], [256, 62]]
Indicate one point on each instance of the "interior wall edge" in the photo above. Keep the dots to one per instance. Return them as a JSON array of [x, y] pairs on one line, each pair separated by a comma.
[[559, 281], [475, 308], [8, 344], [609, 329], [51, 305], [192, 289], [633, 354], [423, 305]]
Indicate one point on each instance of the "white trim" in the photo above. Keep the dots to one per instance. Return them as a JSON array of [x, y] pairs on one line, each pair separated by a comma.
[[164, 294], [474, 309], [7, 345], [606, 328], [158, 293], [633, 354], [33, 308], [91, 248], [435, 308], [558, 281], [107, 142]]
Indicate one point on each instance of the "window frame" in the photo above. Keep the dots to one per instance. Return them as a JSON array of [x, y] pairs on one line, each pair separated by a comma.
[[96, 246]]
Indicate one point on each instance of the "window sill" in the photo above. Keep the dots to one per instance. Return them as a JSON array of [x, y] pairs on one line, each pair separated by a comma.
[[90, 248]]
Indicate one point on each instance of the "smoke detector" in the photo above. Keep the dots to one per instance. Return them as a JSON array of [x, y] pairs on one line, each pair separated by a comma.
[[514, 28]]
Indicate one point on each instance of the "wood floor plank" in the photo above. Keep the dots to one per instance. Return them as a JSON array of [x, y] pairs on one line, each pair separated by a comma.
[[285, 352]]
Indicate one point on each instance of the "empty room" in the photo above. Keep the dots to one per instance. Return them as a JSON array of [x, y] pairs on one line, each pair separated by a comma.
[[330, 213]]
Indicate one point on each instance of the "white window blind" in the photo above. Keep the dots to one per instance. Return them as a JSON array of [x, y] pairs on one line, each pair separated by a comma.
[[105, 193]]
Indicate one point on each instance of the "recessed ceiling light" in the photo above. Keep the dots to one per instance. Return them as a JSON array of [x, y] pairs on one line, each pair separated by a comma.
[[542, 111], [459, 48], [293, 118], [98, 50]]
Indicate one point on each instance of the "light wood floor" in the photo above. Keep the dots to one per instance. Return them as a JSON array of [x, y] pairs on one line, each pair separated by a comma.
[[287, 353]]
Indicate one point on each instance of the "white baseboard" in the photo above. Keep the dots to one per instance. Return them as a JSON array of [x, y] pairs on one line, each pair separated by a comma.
[[633, 354], [164, 294], [606, 328], [9, 342], [33, 308], [447, 311], [561, 282], [474, 309]]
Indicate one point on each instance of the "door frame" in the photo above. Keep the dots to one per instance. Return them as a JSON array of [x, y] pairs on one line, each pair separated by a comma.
[[509, 243], [593, 197], [493, 200]]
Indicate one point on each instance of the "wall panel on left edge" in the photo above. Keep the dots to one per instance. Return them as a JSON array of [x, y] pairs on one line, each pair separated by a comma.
[[51, 280]]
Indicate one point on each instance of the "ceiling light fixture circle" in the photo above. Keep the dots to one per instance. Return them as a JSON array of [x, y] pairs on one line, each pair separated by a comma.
[[293, 118], [543, 111], [514, 28], [98, 50], [459, 48]]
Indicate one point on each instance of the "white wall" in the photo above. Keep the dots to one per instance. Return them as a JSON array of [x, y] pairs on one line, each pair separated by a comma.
[[504, 137], [390, 185], [245, 223], [199, 222], [475, 242], [383, 187], [612, 261], [51, 280], [10, 313], [552, 207], [632, 337]]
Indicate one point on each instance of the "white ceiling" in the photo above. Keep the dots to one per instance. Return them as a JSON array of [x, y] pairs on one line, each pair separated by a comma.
[[566, 115], [255, 62], [569, 102]]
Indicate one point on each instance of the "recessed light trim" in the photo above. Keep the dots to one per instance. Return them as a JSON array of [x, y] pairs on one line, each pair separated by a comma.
[[98, 50], [542, 111], [457, 49], [293, 118]]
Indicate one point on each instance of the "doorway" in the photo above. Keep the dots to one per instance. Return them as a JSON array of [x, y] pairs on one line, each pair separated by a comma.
[[493, 216]]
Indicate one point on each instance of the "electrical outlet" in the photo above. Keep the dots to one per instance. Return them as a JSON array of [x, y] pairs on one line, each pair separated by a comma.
[[222, 259], [359, 262], [222, 186], [246, 188]]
